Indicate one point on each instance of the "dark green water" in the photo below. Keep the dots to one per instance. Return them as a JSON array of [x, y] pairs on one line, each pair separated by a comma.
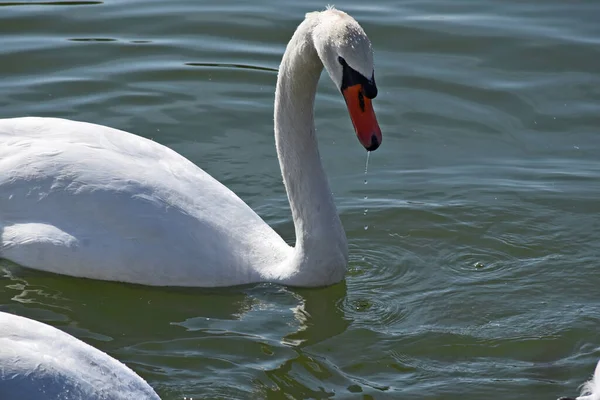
[[478, 275]]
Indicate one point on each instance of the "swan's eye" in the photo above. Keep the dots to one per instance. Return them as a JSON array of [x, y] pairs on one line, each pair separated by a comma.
[[351, 77]]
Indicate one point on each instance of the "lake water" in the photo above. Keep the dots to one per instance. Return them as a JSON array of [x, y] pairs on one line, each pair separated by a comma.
[[474, 273]]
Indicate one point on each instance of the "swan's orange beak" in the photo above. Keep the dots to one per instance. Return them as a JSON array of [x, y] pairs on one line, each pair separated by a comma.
[[363, 117]]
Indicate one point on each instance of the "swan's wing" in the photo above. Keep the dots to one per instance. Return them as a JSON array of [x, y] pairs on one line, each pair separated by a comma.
[[87, 200], [39, 362]]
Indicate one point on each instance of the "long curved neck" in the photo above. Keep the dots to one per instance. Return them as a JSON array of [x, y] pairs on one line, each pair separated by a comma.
[[321, 252]]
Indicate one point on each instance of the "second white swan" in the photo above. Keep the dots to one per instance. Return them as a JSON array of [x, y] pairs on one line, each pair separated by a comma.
[[40, 362], [590, 390], [91, 201]]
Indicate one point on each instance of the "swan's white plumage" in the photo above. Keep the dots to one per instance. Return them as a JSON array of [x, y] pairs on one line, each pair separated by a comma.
[[590, 390], [91, 201], [39, 362]]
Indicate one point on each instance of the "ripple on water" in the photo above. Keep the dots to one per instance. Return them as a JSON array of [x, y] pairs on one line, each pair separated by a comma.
[[372, 301]]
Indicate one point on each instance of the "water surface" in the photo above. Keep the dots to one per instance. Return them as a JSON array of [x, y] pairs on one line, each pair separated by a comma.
[[478, 274]]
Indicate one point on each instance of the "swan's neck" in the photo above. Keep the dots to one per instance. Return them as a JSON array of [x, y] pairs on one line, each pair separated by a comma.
[[321, 252]]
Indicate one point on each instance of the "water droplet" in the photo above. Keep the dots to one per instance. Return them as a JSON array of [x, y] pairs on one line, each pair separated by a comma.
[[366, 197]]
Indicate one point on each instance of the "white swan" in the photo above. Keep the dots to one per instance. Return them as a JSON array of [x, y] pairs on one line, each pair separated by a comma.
[[90, 201], [590, 390], [40, 362]]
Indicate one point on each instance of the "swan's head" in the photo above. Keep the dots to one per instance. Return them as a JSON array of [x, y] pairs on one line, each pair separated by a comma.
[[346, 53]]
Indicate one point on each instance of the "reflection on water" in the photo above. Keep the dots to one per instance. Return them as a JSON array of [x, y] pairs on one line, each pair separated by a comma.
[[264, 327]]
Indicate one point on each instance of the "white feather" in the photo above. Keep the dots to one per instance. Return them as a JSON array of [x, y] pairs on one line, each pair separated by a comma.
[[40, 362], [590, 390]]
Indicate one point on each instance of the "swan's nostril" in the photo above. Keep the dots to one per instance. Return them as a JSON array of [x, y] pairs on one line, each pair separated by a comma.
[[374, 143]]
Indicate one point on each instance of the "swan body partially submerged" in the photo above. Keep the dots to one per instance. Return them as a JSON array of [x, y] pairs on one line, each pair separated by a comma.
[[590, 390], [40, 362], [90, 201]]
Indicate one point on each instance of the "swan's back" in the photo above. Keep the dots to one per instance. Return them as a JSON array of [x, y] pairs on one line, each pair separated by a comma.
[[39, 362], [92, 201]]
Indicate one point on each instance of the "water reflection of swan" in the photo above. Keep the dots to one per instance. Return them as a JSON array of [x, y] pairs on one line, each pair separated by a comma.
[[276, 326], [90, 201]]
